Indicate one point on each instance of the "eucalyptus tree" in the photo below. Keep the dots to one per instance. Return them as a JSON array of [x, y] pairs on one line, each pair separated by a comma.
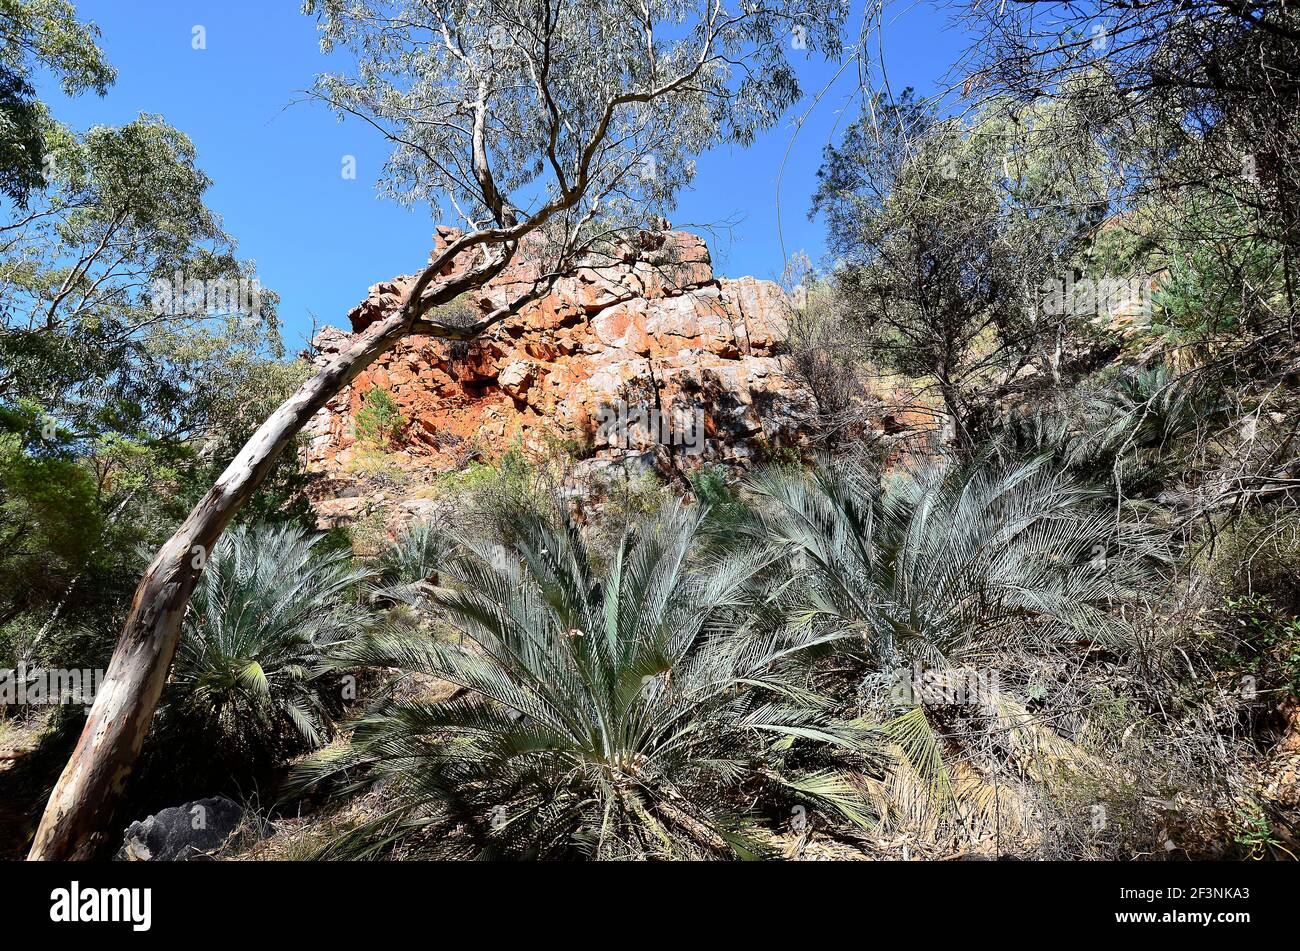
[[88, 223], [947, 231], [105, 382], [1213, 81], [40, 35], [107, 287], [547, 121]]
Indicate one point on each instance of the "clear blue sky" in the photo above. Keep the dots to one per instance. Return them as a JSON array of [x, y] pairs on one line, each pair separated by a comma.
[[320, 240]]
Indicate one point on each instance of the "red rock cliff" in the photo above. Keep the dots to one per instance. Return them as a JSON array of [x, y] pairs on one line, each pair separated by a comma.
[[655, 330]]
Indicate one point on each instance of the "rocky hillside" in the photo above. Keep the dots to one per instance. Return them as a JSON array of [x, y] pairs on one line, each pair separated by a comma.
[[650, 357]]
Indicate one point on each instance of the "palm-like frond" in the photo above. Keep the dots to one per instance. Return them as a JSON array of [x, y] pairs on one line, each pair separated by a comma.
[[269, 607], [942, 561], [1125, 433], [605, 710], [405, 569], [942, 566]]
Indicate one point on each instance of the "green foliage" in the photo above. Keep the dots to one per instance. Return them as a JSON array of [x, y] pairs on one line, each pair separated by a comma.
[[412, 562], [1217, 291], [1254, 833], [778, 456], [378, 422], [270, 607], [937, 568], [40, 35], [605, 713], [1128, 430], [1265, 639], [379, 469], [568, 445], [720, 495], [50, 521], [47, 33], [940, 560], [951, 235], [712, 487], [243, 389], [84, 332], [505, 495], [635, 495], [124, 410]]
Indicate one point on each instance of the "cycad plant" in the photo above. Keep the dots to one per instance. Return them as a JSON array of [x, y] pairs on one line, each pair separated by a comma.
[[1143, 422], [946, 561], [271, 605], [1129, 434], [936, 570], [409, 566], [607, 712]]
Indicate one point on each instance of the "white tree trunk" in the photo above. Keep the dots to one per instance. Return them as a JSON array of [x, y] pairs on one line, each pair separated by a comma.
[[81, 808]]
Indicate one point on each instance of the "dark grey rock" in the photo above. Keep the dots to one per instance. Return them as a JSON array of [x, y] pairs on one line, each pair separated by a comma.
[[181, 833]]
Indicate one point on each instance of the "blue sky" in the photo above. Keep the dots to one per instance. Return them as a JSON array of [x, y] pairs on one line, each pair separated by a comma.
[[320, 240]]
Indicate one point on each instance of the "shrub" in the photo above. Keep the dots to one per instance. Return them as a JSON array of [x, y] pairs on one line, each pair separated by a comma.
[[602, 713], [935, 570], [378, 421], [726, 508], [269, 608]]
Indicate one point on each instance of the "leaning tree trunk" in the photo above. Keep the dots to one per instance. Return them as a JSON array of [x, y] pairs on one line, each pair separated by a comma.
[[85, 799]]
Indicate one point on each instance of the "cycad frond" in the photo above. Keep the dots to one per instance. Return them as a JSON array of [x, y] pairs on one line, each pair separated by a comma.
[[270, 607], [605, 707]]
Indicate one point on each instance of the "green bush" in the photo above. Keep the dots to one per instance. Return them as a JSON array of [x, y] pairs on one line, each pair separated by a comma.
[[378, 421], [271, 605], [1264, 639], [604, 712], [50, 523], [714, 489]]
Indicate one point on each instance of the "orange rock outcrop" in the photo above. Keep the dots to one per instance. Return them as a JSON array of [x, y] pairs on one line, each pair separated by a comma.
[[654, 335]]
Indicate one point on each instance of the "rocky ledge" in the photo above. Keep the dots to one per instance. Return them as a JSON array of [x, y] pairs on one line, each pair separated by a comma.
[[649, 355]]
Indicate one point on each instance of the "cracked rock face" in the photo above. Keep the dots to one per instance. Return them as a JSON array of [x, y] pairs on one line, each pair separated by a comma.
[[650, 348]]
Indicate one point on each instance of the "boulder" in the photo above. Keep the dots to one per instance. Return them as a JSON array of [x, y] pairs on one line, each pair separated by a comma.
[[182, 833]]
